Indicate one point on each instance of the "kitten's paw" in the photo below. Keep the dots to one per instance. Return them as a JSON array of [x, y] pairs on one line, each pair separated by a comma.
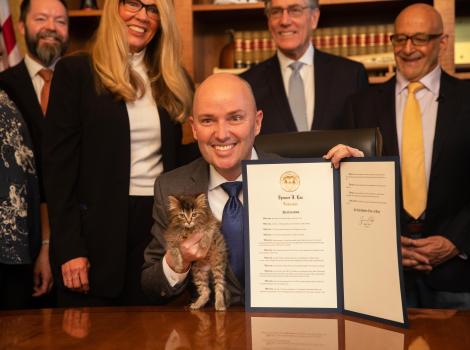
[[220, 305], [197, 304]]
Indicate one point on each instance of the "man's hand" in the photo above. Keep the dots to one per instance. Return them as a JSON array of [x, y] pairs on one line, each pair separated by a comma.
[[425, 253], [411, 258], [340, 151], [42, 272], [75, 274], [190, 250], [437, 249]]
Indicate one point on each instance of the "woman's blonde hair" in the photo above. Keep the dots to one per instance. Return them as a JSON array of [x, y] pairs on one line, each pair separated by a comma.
[[170, 83]]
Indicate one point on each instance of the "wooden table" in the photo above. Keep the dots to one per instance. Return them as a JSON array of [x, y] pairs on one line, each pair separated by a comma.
[[172, 328]]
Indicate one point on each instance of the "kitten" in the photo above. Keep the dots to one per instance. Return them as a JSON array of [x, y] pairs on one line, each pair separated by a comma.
[[187, 215]]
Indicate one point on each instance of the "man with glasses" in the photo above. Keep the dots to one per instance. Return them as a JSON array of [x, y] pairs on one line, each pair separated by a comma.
[[301, 88], [424, 116]]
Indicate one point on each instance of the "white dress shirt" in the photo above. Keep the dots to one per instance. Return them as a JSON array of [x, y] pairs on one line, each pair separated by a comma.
[[307, 74], [33, 68], [217, 198], [428, 103]]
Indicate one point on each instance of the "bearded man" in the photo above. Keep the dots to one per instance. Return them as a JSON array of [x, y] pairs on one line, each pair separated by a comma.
[[45, 27]]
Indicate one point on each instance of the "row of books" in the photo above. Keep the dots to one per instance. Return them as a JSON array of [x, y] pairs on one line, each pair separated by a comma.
[[252, 47], [354, 40]]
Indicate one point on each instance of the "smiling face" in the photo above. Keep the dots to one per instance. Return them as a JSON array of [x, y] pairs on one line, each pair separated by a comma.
[[45, 30], [414, 62], [293, 35], [140, 28], [225, 122]]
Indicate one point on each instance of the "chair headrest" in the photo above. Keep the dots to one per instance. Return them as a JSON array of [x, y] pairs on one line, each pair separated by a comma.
[[316, 143]]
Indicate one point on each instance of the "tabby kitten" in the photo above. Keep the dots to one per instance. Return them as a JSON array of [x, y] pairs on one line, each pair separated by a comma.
[[187, 215]]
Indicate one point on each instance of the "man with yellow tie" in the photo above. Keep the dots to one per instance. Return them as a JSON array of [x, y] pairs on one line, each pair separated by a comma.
[[424, 116]]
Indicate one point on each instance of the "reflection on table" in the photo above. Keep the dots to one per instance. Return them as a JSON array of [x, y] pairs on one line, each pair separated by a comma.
[[176, 328]]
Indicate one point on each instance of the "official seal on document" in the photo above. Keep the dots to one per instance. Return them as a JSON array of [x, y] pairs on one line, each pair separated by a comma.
[[290, 181]]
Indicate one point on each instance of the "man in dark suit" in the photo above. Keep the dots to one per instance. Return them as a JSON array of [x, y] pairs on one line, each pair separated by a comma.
[[225, 123], [436, 215], [325, 80], [44, 25]]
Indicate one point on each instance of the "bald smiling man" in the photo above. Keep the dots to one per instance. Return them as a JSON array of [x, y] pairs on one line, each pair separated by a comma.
[[436, 236], [225, 122]]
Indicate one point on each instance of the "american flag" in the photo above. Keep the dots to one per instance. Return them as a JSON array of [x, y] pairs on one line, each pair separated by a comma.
[[9, 52]]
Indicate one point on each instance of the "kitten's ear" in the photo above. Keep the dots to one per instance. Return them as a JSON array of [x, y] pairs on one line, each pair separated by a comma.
[[201, 200], [173, 203]]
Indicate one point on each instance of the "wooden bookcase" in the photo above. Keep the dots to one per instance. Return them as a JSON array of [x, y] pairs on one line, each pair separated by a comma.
[[203, 25]]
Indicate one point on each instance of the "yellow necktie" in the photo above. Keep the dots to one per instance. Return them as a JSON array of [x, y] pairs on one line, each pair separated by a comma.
[[412, 162]]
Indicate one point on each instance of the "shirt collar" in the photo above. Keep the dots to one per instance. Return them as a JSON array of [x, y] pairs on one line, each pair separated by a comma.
[[137, 59], [307, 58], [431, 81], [215, 179], [34, 67]]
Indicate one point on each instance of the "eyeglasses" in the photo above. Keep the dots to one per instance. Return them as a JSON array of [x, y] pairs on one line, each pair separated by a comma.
[[135, 6], [294, 11], [419, 39]]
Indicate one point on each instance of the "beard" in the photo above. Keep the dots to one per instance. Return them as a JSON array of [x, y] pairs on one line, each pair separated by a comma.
[[46, 53]]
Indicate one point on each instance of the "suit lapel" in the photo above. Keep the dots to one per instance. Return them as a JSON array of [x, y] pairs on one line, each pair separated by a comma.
[[277, 91], [199, 178], [321, 88], [27, 95], [386, 115], [446, 113]]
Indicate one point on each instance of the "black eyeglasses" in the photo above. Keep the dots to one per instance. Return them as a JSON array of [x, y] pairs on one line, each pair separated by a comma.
[[294, 11], [419, 39], [135, 6]]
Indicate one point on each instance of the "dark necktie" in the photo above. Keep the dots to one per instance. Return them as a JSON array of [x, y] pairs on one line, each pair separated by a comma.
[[46, 75], [232, 229]]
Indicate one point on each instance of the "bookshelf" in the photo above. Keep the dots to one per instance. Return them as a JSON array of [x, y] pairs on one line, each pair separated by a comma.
[[205, 32], [203, 25]]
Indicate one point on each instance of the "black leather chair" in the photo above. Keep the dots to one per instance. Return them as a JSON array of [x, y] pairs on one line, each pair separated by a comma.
[[316, 143]]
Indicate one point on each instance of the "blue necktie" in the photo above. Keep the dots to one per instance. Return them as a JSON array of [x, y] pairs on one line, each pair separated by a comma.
[[232, 229]]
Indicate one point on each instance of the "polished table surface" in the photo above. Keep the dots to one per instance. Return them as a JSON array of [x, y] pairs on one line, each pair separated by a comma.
[[176, 328]]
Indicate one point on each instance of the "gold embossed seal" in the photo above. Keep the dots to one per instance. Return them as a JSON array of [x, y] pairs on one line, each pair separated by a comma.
[[290, 181]]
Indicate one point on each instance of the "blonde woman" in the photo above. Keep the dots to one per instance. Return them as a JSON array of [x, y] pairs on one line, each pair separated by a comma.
[[113, 126]]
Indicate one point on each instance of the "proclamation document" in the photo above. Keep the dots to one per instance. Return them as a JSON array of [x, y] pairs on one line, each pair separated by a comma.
[[371, 262], [292, 243], [322, 239]]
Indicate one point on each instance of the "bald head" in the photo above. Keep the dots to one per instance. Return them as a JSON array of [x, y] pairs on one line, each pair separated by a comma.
[[225, 122], [227, 85], [425, 14], [422, 39]]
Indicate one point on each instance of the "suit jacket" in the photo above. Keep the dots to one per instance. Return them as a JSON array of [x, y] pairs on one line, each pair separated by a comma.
[[336, 78], [18, 85], [87, 171], [448, 204], [191, 179]]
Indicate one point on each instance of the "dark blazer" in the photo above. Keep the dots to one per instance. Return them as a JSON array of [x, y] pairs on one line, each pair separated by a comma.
[[336, 78], [87, 170], [18, 85], [190, 180], [448, 205]]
